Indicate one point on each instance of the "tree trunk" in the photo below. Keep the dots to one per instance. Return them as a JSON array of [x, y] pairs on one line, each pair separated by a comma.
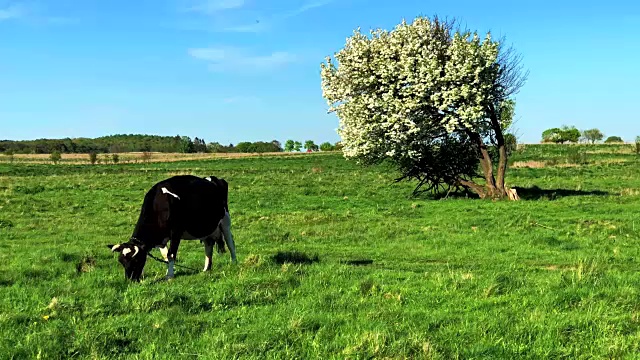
[[487, 167], [478, 189], [502, 152]]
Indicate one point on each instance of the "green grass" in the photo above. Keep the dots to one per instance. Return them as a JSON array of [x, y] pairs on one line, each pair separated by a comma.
[[334, 261]]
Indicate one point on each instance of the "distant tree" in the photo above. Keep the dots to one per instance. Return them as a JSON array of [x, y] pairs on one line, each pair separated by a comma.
[[214, 147], [337, 145], [288, 145], [637, 145], [199, 145], [115, 158], [551, 135], [297, 146], [561, 135], [186, 145], [245, 147], [310, 145], [570, 134], [276, 146], [55, 156], [613, 140], [326, 146], [593, 135], [258, 147], [93, 157]]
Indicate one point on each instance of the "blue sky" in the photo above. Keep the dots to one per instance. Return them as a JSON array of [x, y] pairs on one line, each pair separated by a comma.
[[248, 70]]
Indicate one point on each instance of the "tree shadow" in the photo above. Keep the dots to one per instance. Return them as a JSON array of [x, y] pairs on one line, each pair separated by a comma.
[[536, 193], [529, 193], [453, 195], [294, 257]]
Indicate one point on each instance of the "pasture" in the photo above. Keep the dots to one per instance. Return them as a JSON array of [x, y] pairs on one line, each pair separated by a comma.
[[334, 261]]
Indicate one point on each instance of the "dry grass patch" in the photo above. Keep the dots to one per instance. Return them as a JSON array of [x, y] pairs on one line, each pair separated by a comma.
[[539, 164], [630, 192], [529, 164], [612, 161], [139, 157]]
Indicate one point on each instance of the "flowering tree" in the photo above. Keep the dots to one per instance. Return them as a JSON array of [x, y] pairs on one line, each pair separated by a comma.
[[430, 98]]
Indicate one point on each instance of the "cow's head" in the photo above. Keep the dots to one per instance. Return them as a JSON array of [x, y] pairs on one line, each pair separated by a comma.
[[132, 257]]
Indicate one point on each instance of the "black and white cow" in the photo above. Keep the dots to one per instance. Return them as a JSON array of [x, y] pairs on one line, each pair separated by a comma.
[[183, 207]]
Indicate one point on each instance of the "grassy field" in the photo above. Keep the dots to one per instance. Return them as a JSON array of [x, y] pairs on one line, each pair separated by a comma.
[[334, 261]]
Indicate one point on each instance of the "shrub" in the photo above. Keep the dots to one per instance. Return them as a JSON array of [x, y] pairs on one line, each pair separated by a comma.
[[55, 157], [9, 155], [326, 146], [511, 143], [93, 157], [637, 145], [146, 156], [115, 158], [577, 156], [613, 140]]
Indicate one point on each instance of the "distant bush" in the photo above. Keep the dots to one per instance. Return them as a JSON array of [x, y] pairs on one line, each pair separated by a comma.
[[146, 156], [577, 156], [93, 157], [326, 146], [637, 145], [115, 158], [55, 157], [561, 135], [9, 155], [613, 140]]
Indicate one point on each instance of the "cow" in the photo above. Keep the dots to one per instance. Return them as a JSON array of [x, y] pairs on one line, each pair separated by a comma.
[[183, 207]]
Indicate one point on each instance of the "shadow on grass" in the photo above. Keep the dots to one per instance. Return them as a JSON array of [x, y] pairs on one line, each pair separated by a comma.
[[360, 262], [294, 257], [530, 193], [536, 193]]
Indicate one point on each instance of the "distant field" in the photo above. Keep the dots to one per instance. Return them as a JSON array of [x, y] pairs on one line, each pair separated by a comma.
[[334, 261], [135, 157]]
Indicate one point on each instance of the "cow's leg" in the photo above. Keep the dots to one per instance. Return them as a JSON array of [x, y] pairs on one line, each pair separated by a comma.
[[208, 253], [225, 225], [173, 251]]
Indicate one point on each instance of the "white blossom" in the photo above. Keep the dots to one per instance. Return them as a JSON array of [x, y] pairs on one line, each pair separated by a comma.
[[380, 86]]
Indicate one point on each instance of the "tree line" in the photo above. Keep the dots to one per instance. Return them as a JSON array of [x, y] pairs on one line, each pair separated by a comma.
[[122, 143], [570, 134]]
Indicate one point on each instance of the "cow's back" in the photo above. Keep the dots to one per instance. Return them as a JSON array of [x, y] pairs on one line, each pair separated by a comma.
[[200, 206]]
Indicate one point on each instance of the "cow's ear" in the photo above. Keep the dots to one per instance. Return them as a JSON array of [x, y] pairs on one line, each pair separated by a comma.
[[116, 247]]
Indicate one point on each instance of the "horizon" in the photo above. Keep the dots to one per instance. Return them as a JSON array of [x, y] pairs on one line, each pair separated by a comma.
[[231, 71]]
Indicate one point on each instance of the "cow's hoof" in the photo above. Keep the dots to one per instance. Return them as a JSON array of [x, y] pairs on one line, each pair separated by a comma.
[[169, 278]]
